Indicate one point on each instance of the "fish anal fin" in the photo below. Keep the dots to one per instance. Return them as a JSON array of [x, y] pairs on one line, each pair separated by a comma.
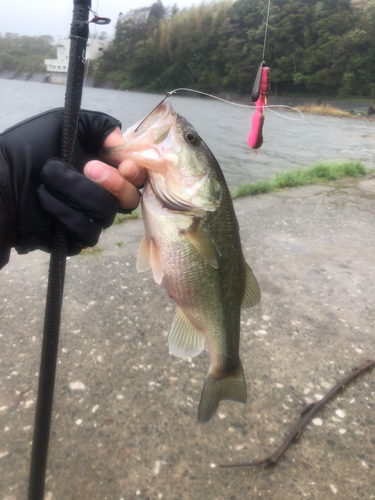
[[252, 291], [215, 390], [184, 340], [203, 244], [155, 263], [143, 256]]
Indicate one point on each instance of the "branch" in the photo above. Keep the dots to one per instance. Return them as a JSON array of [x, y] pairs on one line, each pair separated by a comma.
[[307, 415]]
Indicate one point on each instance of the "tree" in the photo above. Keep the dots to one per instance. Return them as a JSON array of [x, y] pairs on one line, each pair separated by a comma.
[[316, 46], [25, 54]]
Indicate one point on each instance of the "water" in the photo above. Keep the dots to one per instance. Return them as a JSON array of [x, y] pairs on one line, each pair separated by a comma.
[[224, 128]]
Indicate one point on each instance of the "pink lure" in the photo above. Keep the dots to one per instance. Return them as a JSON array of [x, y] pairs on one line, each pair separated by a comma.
[[255, 138]]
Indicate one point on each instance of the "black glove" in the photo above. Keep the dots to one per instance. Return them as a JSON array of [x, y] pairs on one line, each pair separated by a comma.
[[34, 197]]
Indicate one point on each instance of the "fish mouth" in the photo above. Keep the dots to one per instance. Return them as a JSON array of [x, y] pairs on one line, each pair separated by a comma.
[[159, 122], [149, 141]]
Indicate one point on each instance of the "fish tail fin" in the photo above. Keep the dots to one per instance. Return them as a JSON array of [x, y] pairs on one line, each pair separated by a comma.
[[215, 390]]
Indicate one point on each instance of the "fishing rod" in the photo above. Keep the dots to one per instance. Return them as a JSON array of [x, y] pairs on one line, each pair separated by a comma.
[[73, 96]]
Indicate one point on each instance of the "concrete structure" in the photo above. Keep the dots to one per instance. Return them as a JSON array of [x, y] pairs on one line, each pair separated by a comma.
[[58, 68], [125, 411]]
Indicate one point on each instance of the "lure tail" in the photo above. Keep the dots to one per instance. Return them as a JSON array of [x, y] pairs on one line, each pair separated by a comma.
[[259, 96]]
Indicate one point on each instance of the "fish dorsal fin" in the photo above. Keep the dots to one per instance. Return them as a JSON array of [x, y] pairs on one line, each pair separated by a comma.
[[203, 244], [184, 340], [143, 256], [252, 290], [155, 263]]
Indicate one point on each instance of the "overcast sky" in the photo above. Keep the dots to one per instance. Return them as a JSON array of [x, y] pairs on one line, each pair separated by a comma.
[[53, 17]]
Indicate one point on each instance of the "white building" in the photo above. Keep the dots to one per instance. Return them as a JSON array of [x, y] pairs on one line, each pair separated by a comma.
[[58, 68]]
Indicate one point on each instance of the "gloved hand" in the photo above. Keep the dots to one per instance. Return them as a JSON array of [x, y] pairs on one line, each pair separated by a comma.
[[81, 206], [36, 188]]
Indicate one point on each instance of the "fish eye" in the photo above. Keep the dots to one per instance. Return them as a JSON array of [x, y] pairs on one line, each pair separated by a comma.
[[190, 137]]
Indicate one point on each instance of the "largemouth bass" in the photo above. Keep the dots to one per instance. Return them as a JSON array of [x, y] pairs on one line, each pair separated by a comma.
[[192, 244]]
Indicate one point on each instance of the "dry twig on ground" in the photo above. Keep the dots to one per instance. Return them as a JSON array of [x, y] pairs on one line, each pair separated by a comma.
[[307, 415]]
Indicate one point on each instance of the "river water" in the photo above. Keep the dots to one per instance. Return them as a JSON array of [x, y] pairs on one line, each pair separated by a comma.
[[224, 128]]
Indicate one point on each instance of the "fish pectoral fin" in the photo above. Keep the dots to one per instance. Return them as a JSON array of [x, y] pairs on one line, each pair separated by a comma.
[[216, 389], [143, 256], [204, 245], [184, 340], [155, 263], [148, 256], [252, 290]]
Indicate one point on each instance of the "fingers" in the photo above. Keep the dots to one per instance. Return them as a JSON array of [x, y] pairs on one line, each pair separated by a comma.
[[116, 182], [128, 168], [121, 183], [114, 139], [132, 172]]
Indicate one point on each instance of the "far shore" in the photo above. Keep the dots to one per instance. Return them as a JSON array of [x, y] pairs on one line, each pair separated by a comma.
[[353, 107]]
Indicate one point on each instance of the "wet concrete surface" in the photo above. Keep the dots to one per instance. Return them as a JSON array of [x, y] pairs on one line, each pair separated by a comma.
[[125, 413]]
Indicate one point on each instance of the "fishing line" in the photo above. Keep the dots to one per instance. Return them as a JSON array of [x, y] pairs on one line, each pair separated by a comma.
[[237, 104], [88, 60], [96, 20], [175, 91], [266, 29]]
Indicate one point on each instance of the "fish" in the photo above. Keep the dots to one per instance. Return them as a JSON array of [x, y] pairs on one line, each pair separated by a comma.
[[192, 245]]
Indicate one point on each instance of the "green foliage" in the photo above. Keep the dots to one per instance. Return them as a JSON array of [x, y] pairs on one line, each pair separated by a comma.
[[25, 54], [315, 46], [121, 218], [92, 251], [157, 50], [322, 171]]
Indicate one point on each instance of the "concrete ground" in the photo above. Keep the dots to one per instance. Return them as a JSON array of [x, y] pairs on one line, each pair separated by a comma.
[[125, 413]]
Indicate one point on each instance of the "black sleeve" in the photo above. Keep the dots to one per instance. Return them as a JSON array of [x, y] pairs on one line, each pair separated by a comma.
[[6, 228], [28, 212]]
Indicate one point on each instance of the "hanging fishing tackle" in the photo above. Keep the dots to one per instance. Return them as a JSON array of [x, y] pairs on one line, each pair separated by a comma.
[[259, 96]]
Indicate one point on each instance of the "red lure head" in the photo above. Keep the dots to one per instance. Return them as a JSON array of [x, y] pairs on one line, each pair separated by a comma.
[[264, 87]]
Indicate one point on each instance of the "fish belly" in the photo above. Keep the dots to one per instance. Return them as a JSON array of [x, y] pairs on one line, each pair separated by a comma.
[[209, 298]]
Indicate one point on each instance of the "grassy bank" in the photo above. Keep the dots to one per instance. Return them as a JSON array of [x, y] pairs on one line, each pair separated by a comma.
[[322, 171], [136, 214], [323, 109], [328, 110]]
